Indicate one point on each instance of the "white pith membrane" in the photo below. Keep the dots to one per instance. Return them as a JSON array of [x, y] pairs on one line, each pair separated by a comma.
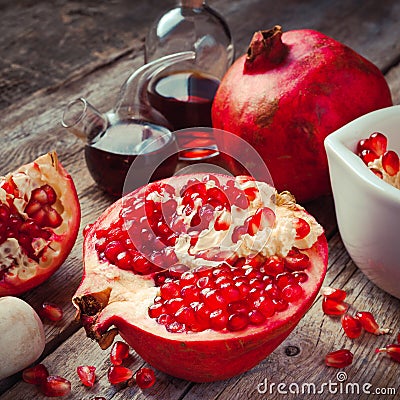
[[13, 258], [391, 180], [129, 295]]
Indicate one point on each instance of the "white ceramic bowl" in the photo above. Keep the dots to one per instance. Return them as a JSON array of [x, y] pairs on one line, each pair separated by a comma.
[[367, 208]]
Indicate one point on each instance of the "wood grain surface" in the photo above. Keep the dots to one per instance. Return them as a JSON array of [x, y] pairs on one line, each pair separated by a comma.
[[52, 52]]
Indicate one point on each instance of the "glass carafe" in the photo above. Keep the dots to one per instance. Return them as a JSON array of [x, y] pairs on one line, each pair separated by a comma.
[[131, 144], [184, 92]]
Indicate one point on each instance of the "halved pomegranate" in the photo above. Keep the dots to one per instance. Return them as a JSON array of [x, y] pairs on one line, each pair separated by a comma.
[[196, 301], [39, 222]]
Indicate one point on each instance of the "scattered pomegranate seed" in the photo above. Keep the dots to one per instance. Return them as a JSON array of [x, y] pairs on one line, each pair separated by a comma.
[[117, 374], [119, 352], [145, 378], [369, 323], [333, 293], [339, 358], [333, 307], [87, 374], [51, 311], [351, 326], [55, 386], [393, 350], [390, 162], [35, 375]]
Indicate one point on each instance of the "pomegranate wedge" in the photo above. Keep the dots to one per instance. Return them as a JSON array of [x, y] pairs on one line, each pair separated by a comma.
[[200, 303], [39, 223]]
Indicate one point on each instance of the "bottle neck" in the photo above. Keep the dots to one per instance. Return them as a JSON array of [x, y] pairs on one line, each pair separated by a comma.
[[192, 3]]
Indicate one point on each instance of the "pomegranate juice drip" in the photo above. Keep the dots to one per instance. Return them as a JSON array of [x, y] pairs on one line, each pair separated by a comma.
[[184, 98]]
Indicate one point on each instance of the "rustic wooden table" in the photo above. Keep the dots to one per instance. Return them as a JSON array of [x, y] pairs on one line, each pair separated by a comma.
[[52, 52]]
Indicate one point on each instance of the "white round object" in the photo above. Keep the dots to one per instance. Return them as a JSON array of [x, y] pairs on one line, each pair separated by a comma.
[[22, 338]]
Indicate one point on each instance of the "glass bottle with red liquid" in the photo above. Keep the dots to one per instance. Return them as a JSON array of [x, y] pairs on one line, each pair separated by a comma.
[[184, 92], [132, 144]]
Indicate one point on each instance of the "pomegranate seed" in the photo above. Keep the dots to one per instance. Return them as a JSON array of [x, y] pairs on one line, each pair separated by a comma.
[[333, 293], [214, 299], [284, 279], [237, 322], [263, 218], [292, 293], [378, 143], [119, 352], [87, 374], [218, 320], [368, 156], [265, 306], [145, 378], [297, 261], [339, 358], [333, 307], [274, 265], [35, 375], [118, 374], [40, 195], [240, 306], [352, 327], [164, 319], [53, 219], [393, 350], [363, 144], [369, 323], [300, 277], [169, 290], [175, 327], [280, 304], [256, 317], [377, 172], [51, 311], [190, 293], [302, 228], [173, 305], [223, 222], [230, 292], [155, 310], [185, 315], [55, 386], [390, 162]]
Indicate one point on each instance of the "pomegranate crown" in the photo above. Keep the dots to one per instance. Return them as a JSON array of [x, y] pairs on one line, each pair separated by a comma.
[[266, 50]]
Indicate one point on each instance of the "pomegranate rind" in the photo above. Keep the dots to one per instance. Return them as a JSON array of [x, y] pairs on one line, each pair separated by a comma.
[[111, 297], [47, 169]]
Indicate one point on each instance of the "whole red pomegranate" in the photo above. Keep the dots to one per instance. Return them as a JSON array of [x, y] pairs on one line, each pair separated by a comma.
[[203, 275], [39, 223], [287, 94]]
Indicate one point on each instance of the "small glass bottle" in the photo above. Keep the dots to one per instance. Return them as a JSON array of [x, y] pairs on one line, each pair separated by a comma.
[[184, 92]]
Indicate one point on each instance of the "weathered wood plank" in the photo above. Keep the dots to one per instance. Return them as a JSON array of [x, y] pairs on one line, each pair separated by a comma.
[[79, 37]]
